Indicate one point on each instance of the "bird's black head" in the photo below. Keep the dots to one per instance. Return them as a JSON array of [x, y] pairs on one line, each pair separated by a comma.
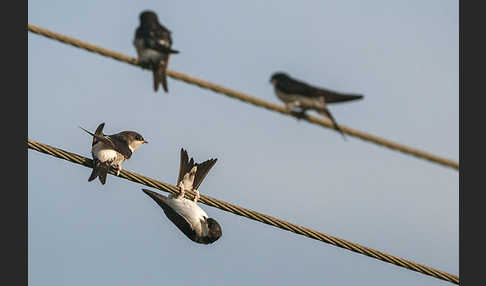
[[214, 231], [278, 76], [148, 17]]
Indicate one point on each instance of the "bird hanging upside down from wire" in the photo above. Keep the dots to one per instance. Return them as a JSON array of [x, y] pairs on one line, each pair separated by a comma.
[[191, 219]]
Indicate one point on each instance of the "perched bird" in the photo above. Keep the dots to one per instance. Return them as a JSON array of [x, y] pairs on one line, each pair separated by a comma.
[[111, 150], [298, 94], [186, 214], [153, 43]]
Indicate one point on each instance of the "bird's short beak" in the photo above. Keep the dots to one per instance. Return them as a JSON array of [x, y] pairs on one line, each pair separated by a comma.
[[145, 142]]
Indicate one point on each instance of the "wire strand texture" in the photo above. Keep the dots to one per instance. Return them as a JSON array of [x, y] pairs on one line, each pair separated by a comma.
[[246, 98], [254, 215]]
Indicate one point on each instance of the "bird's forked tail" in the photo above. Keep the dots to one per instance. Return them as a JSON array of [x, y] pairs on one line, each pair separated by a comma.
[[160, 76], [100, 170]]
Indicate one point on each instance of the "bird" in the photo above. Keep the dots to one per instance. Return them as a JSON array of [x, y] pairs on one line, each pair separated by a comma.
[[188, 217], [153, 43], [111, 150], [300, 95]]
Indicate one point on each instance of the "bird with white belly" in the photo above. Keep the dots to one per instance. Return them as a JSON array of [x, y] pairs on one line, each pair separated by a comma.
[[187, 216], [111, 151]]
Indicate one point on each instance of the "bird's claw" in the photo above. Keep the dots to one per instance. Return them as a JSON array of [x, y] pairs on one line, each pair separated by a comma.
[[118, 168], [299, 114], [145, 65], [196, 196], [181, 191]]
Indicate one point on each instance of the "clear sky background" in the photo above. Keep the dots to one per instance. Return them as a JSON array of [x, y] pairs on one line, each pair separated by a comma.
[[402, 55]]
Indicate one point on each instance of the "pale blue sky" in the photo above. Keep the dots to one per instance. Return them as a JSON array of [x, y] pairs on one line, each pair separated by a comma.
[[402, 55]]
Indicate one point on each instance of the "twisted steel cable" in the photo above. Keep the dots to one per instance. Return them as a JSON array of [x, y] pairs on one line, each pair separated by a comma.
[[246, 98], [254, 215]]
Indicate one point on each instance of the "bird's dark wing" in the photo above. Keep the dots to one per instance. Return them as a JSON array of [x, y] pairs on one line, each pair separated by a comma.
[[99, 132], [292, 86], [173, 216], [120, 145], [139, 33], [99, 137], [156, 38], [335, 97], [202, 170]]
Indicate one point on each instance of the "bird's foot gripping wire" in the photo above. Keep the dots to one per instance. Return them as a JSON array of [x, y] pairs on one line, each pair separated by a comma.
[[301, 114], [182, 191], [196, 196]]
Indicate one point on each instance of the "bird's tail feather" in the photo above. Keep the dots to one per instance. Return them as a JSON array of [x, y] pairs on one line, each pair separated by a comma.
[[163, 75], [93, 175], [100, 170], [334, 97], [160, 76], [102, 175], [163, 79], [156, 77]]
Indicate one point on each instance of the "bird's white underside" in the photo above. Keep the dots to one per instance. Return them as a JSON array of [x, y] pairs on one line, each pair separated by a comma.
[[187, 208], [145, 54], [188, 179], [104, 154], [190, 211], [149, 55]]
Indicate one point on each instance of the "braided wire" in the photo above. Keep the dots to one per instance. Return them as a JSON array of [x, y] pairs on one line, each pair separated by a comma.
[[246, 98], [254, 215]]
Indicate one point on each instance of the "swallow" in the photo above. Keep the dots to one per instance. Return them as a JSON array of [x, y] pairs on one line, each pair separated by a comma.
[[153, 43], [186, 214], [298, 94], [111, 150]]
